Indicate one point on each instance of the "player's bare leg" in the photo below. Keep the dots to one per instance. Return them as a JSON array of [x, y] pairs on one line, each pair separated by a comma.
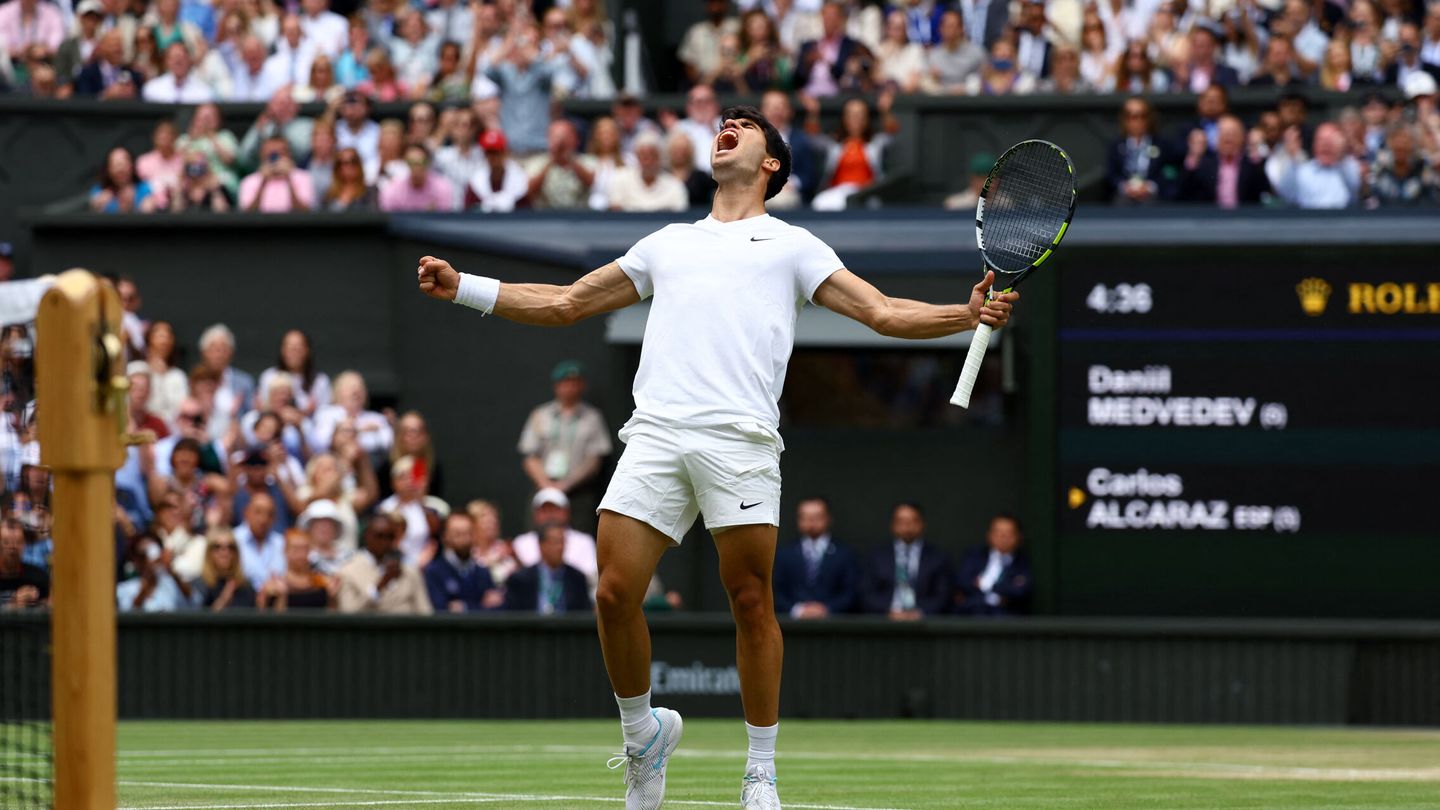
[[747, 556], [627, 551]]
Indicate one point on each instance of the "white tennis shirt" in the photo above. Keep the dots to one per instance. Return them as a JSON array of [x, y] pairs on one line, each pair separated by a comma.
[[722, 323]]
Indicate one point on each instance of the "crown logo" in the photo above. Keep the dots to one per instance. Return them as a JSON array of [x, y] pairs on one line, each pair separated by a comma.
[[1314, 294]]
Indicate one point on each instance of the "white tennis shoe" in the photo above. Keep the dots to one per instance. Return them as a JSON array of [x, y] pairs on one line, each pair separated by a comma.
[[757, 790], [645, 765]]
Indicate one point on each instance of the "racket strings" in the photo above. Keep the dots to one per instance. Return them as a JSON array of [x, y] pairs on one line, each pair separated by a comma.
[[1028, 201]]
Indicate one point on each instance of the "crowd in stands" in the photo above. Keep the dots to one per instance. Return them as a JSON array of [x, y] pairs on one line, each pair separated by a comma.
[[289, 491], [484, 131]]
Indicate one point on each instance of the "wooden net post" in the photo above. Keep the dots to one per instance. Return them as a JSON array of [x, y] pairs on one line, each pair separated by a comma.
[[80, 380]]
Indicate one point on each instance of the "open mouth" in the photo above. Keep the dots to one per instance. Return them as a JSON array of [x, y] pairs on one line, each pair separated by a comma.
[[727, 139]]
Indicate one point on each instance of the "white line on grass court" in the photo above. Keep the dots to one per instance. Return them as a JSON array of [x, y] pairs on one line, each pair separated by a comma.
[[431, 797]]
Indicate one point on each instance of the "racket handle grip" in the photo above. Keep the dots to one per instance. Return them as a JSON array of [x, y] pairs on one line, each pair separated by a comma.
[[978, 343]]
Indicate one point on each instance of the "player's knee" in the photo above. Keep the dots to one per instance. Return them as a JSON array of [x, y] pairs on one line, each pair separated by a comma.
[[613, 598], [751, 601]]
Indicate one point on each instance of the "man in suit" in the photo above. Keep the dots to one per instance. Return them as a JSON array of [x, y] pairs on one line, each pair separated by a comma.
[[995, 577], [804, 168], [1032, 40], [1224, 175], [907, 578], [455, 582], [1408, 60], [107, 76], [1210, 106], [1139, 167], [815, 576], [835, 62], [1202, 70], [550, 586], [985, 20]]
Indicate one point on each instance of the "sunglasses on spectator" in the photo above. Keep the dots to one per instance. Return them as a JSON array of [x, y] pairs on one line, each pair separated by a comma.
[[223, 547], [193, 418]]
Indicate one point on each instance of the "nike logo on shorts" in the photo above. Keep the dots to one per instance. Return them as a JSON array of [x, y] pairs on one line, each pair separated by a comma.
[[764, 239], [744, 505]]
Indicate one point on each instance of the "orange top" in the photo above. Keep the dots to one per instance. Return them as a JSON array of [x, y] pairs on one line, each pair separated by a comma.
[[853, 166]]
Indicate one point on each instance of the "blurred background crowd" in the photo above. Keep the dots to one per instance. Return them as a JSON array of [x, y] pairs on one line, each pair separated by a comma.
[[483, 81]]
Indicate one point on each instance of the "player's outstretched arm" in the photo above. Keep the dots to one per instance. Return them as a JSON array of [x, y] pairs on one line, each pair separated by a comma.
[[855, 298], [602, 290]]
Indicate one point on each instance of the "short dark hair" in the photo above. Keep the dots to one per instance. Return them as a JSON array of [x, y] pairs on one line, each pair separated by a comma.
[[775, 145], [919, 510], [1010, 516], [820, 499], [186, 445]]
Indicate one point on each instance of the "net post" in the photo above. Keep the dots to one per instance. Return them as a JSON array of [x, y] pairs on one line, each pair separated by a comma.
[[79, 363]]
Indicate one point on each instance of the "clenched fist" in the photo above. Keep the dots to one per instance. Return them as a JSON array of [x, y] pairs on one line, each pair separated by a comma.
[[437, 278]]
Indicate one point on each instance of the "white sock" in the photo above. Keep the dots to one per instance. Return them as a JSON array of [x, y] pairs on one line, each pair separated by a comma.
[[762, 747], [636, 720]]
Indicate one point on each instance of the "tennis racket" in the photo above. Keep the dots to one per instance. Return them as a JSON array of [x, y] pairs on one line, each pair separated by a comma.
[[1023, 213]]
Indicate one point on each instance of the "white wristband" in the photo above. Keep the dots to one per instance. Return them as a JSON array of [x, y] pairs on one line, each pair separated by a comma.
[[477, 292]]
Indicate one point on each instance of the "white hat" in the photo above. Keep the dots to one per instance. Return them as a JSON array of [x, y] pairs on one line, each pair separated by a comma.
[[323, 509], [1419, 83], [90, 7], [551, 495], [137, 367]]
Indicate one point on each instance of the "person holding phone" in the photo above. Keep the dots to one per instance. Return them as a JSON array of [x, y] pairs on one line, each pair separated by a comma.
[[277, 187], [377, 580]]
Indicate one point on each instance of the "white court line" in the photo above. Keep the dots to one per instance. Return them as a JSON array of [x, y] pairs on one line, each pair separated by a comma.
[[407, 802], [437, 797]]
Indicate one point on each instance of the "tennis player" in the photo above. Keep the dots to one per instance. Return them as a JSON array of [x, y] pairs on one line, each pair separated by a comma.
[[704, 436]]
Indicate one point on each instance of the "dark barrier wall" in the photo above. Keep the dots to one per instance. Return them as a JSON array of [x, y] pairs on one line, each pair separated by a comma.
[[199, 666], [53, 150]]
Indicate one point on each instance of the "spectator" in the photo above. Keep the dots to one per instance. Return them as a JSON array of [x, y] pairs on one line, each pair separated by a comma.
[[350, 66], [900, 62], [647, 186], [25, 24], [1065, 78], [1365, 57], [348, 190], [296, 361], [1430, 43], [796, 26], [834, 62], [491, 550], [200, 189], [75, 51], [1294, 109], [138, 373], [185, 546], [1139, 170], [384, 84], [699, 185], [376, 579], [154, 589], [412, 503], [451, 21], [455, 582], [346, 481], [815, 577], [168, 384], [280, 118], [1331, 179], [162, 166], [22, 585], [1374, 115], [524, 80], [236, 388], [450, 83], [561, 178], [412, 438], [966, 200], [421, 126], [262, 548], [1203, 70], [700, 49], [804, 173], [1137, 73], [321, 166], [222, 584], [1000, 75], [1409, 57], [630, 117], [300, 586], [1225, 175], [249, 80], [499, 184], [564, 443], [700, 124], [855, 156], [986, 20], [320, 85], [550, 586], [995, 578], [421, 189], [289, 65], [321, 521], [327, 31], [1099, 56], [1032, 40], [1335, 69], [374, 433], [460, 160], [391, 153], [117, 191], [277, 186], [573, 66], [1401, 175], [1241, 43], [185, 465], [1277, 69], [276, 417], [550, 506], [168, 28], [907, 578], [132, 326], [609, 159], [260, 471], [414, 51], [218, 145]]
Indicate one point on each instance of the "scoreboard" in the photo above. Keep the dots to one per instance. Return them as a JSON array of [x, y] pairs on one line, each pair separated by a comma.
[[1231, 419]]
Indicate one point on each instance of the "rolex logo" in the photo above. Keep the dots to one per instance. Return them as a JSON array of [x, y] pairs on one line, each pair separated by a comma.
[[1314, 293]]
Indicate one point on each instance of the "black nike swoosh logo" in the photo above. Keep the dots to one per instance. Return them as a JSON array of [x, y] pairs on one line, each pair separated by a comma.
[[744, 505], [765, 239]]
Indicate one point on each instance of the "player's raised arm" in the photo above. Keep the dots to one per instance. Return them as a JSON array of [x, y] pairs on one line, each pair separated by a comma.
[[602, 290], [855, 298]]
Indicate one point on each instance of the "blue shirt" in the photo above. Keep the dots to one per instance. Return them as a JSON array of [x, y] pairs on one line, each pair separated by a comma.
[[525, 103], [450, 579], [165, 598], [142, 190], [260, 561]]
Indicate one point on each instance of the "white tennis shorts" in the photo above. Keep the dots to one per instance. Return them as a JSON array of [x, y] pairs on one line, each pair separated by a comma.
[[666, 476]]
